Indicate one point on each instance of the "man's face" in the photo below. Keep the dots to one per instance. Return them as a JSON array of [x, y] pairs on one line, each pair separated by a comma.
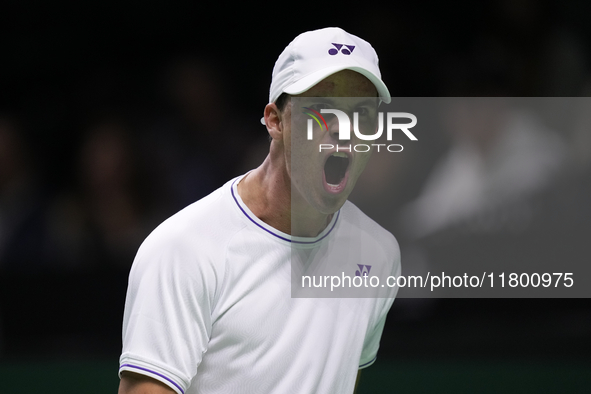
[[324, 179]]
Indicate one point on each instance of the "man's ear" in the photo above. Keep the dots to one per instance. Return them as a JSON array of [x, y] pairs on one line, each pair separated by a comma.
[[273, 120]]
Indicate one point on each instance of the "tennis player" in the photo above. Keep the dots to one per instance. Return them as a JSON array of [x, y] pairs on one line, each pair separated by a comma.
[[210, 308]]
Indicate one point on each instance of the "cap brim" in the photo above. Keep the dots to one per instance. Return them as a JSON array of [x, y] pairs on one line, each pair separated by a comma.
[[310, 80]]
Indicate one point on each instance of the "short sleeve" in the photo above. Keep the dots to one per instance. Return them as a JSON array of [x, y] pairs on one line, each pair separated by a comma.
[[167, 319], [374, 335], [371, 345]]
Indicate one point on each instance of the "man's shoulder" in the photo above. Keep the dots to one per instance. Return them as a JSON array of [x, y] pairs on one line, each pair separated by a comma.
[[201, 226]]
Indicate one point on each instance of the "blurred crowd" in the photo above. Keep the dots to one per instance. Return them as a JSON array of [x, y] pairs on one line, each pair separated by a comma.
[[123, 175], [128, 161], [131, 157]]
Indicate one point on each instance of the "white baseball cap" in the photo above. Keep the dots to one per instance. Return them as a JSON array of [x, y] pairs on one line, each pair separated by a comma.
[[314, 55]]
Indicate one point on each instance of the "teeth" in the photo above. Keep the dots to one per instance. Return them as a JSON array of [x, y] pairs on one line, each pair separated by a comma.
[[339, 154]]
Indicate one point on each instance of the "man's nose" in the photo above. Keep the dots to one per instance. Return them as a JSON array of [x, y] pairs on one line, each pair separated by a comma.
[[334, 128]]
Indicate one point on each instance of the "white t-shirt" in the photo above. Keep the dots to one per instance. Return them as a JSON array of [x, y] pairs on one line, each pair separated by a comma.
[[209, 306]]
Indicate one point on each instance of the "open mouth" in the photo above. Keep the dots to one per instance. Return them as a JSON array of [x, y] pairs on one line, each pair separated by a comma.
[[335, 168]]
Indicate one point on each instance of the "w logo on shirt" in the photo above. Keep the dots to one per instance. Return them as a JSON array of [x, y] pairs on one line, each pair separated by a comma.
[[342, 48], [363, 270]]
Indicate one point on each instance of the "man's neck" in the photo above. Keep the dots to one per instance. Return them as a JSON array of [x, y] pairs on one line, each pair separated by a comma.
[[266, 191]]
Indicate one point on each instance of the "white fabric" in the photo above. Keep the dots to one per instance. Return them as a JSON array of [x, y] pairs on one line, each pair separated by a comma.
[[300, 66], [209, 308], [314, 55]]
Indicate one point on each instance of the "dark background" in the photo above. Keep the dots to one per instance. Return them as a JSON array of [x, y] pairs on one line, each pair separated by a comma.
[[114, 115]]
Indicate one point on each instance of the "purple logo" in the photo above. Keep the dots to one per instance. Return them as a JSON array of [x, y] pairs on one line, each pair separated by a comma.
[[344, 49], [363, 271]]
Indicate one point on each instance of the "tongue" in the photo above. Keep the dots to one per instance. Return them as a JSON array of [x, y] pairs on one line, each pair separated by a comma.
[[335, 169]]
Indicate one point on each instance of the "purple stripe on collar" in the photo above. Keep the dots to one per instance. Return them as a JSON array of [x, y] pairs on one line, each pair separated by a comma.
[[277, 235], [155, 373]]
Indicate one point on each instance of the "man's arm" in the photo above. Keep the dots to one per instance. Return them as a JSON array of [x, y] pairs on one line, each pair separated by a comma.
[[357, 380], [134, 383]]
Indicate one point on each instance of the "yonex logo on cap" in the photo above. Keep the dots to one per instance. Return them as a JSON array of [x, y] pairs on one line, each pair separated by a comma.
[[339, 48]]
